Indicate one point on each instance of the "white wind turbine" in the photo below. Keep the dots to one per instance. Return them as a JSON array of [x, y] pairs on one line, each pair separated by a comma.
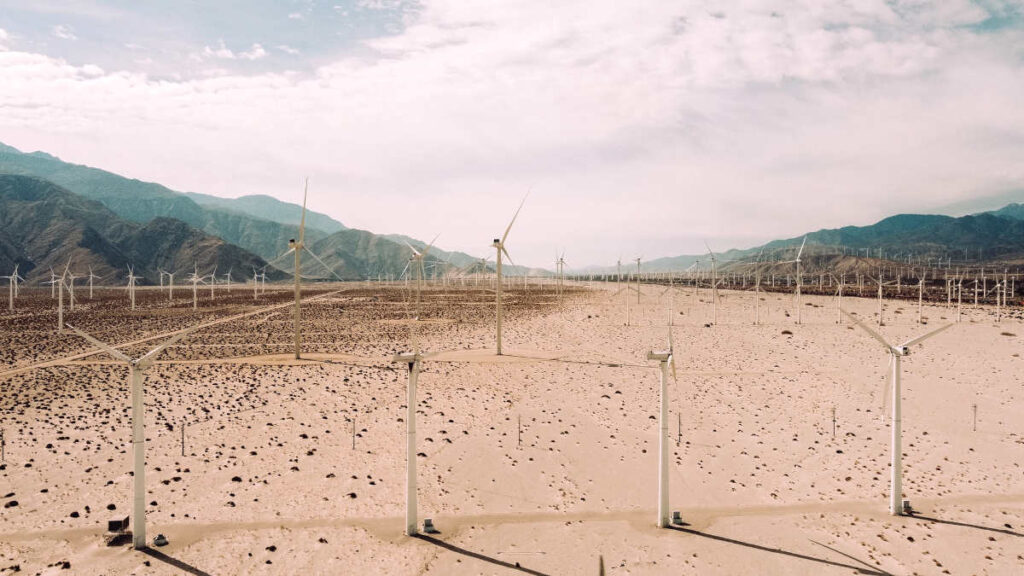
[[12, 287], [255, 284], [136, 372], [71, 289], [227, 278], [881, 284], [897, 353], [714, 284], [195, 280], [499, 246], [799, 279], [52, 283], [666, 359], [213, 280], [91, 278], [416, 269], [297, 247], [131, 285], [60, 298]]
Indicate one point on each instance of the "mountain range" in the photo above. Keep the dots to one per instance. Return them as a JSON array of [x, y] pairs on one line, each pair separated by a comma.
[[258, 224], [52, 210]]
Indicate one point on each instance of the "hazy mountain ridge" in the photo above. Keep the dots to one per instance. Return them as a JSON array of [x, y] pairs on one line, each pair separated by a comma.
[[44, 225], [999, 234], [269, 208], [359, 253]]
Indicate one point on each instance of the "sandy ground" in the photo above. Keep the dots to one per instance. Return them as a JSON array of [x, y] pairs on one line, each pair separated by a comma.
[[270, 482]]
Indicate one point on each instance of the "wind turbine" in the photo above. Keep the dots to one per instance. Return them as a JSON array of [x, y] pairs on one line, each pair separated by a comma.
[[714, 284], [91, 278], [297, 247], [213, 280], [499, 246], [195, 280], [897, 353], [71, 289], [665, 359], [228, 278], [880, 285], [413, 362], [131, 285], [255, 284], [60, 298], [799, 280], [417, 270], [12, 287], [136, 372], [52, 283]]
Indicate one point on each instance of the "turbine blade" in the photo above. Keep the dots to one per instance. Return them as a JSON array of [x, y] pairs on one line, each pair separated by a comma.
[[302, 221], [801, 252], [867, 329], [920, 339], [516, 215], [507, 255], [431, 245], [322, 263], [148, 359], [101, 345]]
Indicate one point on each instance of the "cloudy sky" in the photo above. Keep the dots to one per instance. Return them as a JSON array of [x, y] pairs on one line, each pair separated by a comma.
[[640, 127]]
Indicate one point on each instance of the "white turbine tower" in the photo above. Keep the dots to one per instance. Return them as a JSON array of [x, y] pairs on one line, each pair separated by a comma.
[[131, 285], [91, 278], [12, 287], [499, 246], [666, 359], [799, 279], [297, 247], [195, 280], [227, 278], [136, 372], [60, 298], [897, 353], [213, 280]]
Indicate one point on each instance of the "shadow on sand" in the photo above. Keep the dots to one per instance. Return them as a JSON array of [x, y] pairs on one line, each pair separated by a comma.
[[189, 569], [865, 568], [477, 555], [966, 525]]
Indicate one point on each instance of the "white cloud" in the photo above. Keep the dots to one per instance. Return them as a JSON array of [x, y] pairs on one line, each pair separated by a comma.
[[4, 38], [640, 130], [63, 32], [221, 51], [295, 16], [254, 53], [288, 49]]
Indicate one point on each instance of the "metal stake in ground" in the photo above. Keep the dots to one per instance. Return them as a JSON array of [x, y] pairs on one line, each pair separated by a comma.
[[974, 409]]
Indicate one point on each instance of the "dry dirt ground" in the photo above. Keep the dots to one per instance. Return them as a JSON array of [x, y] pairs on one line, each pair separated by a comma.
[[536, 462]]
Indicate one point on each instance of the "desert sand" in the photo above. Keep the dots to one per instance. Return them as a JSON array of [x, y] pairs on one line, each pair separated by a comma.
[[298, 466]]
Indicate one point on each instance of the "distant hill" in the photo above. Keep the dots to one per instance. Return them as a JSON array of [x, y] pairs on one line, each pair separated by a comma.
[[269, 208], [1015, 211], [258, 224], [142, 201], [43, 225], [980, 238]]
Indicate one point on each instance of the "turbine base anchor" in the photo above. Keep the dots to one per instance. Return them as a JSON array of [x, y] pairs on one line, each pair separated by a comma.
[[677, 518], [428, 527], [907, 508]]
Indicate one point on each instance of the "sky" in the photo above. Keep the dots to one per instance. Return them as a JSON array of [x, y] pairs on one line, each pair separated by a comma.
[[637, 128]]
